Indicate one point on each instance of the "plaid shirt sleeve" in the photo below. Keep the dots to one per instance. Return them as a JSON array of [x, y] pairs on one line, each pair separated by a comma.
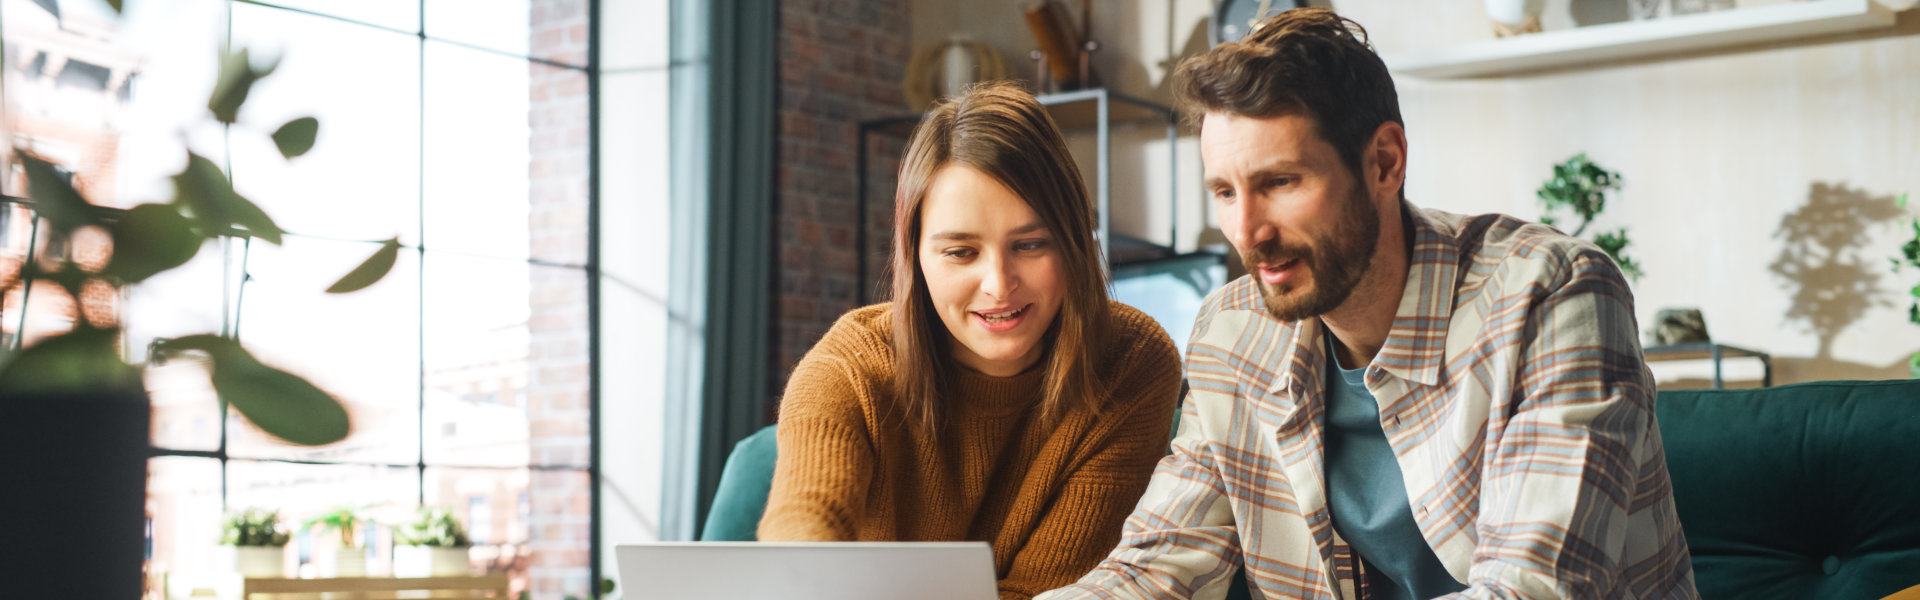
[[1572, 456], [1180, 541]]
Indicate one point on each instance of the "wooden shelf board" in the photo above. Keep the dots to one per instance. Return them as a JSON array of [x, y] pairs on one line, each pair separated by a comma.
[[1635, 39]]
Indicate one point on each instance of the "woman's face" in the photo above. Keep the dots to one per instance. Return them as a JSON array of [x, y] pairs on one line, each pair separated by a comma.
[[992, 268]]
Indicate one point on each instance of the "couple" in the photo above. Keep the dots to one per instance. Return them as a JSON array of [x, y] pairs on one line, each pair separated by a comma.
[[1394, 403]]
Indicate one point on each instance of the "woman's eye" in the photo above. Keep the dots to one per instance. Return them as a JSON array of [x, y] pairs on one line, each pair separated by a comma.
[[1030, 246], [958, 253]]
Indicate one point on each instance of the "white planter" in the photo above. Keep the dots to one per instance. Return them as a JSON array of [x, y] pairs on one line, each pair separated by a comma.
[[343, 562], [255, 561], [430, 561]]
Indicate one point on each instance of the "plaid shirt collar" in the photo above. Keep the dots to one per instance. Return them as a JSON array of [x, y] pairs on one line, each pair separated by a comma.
[[1415, 349]]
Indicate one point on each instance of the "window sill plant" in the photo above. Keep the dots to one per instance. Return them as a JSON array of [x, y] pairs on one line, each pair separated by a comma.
[[255, 543], [433, 544]]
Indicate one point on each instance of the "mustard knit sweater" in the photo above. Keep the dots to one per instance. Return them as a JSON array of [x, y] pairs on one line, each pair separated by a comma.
[[1050, 498]]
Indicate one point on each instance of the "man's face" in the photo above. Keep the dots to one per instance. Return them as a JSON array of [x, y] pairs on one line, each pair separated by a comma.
[[1305, 225]]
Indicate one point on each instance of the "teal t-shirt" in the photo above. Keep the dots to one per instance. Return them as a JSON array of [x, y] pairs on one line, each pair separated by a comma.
[[1366, 497]]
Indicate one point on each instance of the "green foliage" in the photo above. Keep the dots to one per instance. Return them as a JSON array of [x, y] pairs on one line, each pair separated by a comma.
[[432, 526], [1910, 258], [237, 76], [369, 271], [296, 137], [152, 238], [253, 527], [273, 399], [345, 520], [1580, 186]]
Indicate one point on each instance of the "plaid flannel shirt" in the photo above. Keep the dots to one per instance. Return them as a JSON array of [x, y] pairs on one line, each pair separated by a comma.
[[1512, 391]]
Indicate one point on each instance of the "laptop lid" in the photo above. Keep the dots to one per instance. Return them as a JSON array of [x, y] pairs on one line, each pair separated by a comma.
[[807, 571]]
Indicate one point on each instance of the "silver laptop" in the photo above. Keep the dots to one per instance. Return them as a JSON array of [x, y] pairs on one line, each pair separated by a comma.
[[807, 571]]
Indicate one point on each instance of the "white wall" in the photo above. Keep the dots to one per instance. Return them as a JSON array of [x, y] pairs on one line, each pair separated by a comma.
[[1719, 151]]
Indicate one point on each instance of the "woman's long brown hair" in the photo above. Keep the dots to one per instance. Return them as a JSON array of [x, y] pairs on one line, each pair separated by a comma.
[[1000, 130]]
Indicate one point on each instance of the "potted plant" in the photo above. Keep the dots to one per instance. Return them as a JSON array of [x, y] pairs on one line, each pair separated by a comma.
[[255, 543], [433, 544], [1910, 257], [349, 557], [76, 418], [1581, 186]]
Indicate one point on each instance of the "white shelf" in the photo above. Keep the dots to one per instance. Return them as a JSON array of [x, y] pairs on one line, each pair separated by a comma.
[[1634, 39]]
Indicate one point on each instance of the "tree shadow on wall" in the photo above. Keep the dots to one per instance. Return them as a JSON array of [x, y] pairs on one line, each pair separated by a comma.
[[1834, 278]]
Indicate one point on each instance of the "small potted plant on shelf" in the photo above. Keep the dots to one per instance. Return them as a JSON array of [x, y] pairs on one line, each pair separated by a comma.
[[254, 543], [433, 544], [349, 557], [1580, 186], [1910, 257]]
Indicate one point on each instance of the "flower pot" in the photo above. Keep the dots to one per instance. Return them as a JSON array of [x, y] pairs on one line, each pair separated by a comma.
[[343, 562], [76, 467], [255, 561], [1515, 17], [429, 561]]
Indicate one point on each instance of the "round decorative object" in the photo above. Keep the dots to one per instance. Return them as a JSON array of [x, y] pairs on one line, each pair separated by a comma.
[[1234, 19], [940, 70], [1515, 17]]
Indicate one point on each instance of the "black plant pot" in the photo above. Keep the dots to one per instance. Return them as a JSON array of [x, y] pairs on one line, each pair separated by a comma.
[[74, 471]]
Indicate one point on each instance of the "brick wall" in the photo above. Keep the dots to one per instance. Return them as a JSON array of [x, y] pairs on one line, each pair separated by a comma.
[[558, 378], [841, 62]]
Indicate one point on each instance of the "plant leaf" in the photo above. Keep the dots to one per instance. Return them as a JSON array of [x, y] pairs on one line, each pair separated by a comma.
[[369, 271], [54, 196], [280, 403], [207, 193], [296, 137], [151, 238], [237, 76], [1902, 201], [77, 361], [115, 5]]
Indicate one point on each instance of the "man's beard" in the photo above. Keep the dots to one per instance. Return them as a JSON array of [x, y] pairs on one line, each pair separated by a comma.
[[1336, 261]]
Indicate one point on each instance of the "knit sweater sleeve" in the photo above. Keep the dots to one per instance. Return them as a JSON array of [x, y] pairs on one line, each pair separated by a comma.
[[826, 459], [1084, 521]]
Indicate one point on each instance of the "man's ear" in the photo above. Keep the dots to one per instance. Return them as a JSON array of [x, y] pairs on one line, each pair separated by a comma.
[[1387, 158]]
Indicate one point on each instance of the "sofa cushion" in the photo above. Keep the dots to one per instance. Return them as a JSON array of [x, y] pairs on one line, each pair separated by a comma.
[[1801, 491]]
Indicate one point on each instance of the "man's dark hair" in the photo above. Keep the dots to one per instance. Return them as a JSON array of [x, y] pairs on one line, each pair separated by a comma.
[[1306, 61]]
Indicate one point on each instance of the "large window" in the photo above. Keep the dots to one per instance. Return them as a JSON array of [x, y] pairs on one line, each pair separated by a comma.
[[460, 126]]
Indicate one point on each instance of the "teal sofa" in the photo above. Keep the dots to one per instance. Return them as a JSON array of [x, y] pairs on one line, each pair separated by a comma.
[[1800, 491]]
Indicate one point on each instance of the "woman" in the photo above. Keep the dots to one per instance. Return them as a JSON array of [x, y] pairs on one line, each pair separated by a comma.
[[1000, 396]]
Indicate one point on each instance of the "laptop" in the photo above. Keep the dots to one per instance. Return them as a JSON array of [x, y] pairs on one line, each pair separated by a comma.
[[807, 571]]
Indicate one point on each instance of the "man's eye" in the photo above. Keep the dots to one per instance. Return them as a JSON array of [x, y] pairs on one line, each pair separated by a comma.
[[1279, 182], [1223, 194]]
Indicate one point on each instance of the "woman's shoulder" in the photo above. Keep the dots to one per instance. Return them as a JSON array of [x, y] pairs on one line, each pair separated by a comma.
[[861, 339], [1133, 336], [850, 366]]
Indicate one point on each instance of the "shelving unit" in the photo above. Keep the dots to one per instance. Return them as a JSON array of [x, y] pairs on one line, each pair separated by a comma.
[[1635, 39]]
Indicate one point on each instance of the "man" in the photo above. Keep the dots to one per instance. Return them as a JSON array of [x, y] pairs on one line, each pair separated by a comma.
[[1395, 402]]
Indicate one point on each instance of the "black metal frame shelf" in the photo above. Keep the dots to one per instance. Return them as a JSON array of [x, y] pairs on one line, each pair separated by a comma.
[[1714, 352]]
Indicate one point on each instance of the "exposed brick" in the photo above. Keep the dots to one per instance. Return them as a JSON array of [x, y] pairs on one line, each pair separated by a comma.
[[840, 62]]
